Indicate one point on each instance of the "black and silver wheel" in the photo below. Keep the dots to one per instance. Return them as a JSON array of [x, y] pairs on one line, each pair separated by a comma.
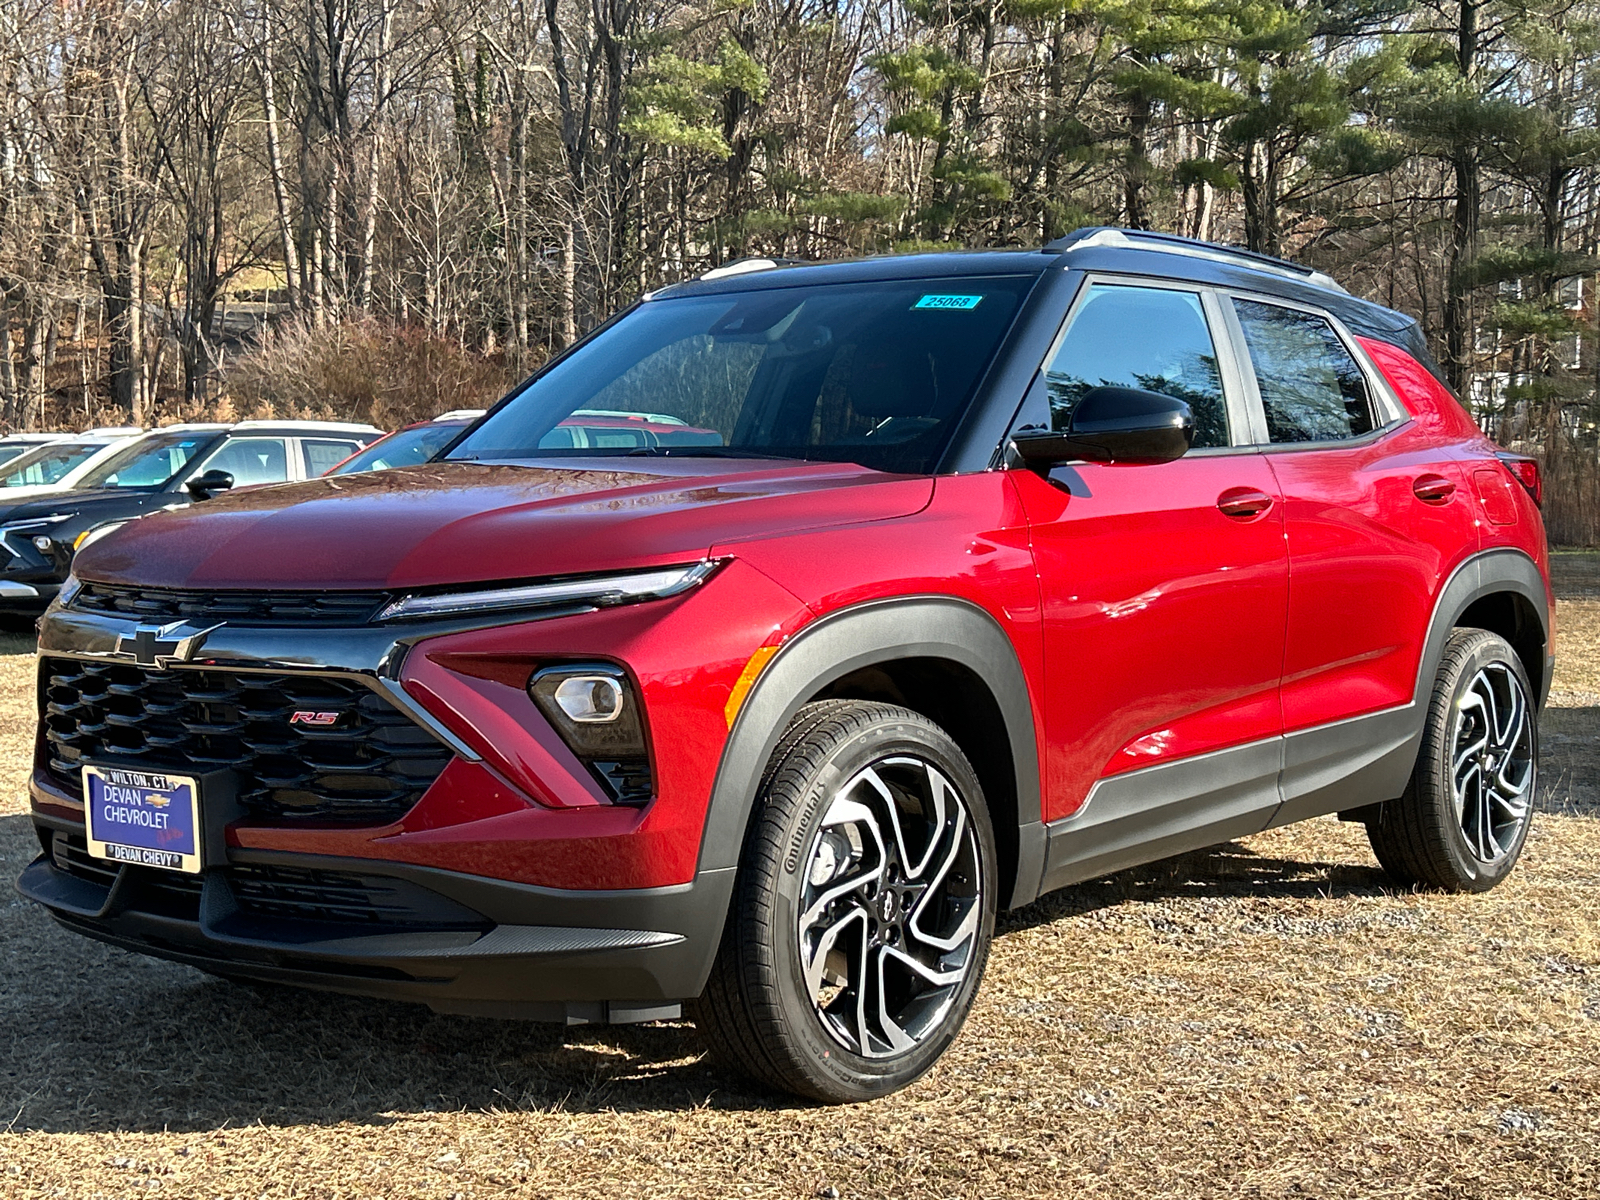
[[864, 908], [1465, 814]]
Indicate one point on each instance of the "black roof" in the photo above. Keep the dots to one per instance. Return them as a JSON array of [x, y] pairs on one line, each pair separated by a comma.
[[1099, 248]]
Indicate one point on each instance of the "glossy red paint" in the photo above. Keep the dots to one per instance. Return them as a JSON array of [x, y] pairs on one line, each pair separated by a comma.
[[448, 523], [1436, 411], [1158, 612], [530, 812], [1165, 652]]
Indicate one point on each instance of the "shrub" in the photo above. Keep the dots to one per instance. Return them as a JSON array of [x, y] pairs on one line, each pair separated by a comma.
[[359, 370]]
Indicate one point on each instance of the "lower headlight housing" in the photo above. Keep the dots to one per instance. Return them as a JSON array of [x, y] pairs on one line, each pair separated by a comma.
[[595, 708]]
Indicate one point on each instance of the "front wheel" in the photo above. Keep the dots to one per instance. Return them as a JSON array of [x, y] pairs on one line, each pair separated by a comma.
[[1461, 823], [864, 908]]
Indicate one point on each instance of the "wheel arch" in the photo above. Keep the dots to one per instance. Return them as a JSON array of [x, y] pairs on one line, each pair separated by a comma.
[[945, 658], [1502, 591]]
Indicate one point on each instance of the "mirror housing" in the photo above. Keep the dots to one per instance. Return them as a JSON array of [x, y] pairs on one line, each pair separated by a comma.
[[1111, 425], [208, 483]]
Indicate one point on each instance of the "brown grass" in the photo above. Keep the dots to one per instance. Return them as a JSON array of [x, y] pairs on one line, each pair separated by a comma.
[[1266, 1019]]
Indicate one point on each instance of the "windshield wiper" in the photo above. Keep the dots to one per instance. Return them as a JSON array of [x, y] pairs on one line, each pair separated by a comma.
[[705, 452]]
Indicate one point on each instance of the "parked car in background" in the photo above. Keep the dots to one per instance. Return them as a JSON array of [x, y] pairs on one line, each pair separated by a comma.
[[586, 429], [57, 466], [15, 444], [413, 444], [167, 468], [1007, 570]]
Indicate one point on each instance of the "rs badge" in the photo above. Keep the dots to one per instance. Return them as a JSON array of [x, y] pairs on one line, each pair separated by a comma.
[[315, 720]]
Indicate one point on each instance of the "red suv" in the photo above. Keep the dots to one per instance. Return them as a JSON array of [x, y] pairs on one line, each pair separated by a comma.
[[1004, 570]]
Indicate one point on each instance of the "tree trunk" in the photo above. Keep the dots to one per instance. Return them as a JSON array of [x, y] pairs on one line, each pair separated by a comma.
[[1465, 221], [280, 186]]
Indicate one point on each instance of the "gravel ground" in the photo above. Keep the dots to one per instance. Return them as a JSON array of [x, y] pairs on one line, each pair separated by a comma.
[[1264, 1019]]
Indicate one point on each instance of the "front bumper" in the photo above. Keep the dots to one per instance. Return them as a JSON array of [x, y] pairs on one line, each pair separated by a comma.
[[457, 943]]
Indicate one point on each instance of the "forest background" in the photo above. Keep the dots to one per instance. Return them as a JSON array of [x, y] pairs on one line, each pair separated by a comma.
[[381, 209]]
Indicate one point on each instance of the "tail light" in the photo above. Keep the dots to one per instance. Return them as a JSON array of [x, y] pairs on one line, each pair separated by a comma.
[[1526, 472]]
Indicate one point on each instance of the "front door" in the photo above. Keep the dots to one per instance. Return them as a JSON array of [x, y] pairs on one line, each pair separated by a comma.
[[1164, 594]]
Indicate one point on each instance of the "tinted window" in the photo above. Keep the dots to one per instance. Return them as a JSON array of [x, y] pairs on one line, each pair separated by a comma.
[[874, 373], [47, 464], [1140, 337], [251, 460], [404, 448], [149, 462], [320, 455], [1311, 388], [8, 453]]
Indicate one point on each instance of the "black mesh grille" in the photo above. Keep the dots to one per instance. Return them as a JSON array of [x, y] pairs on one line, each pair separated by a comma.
[[369, 768], [240, 608]]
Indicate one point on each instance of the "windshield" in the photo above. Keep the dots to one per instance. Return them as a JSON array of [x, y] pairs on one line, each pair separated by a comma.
[[872, 373], [406, 448], [46, 464], [149, 462], [15, 451]]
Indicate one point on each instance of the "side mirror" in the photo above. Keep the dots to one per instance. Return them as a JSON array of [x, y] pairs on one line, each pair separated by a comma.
[[208, 483], [1111, 425]]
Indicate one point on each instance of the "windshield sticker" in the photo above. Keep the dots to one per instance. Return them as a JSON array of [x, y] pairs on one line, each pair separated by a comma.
[[956, 302]]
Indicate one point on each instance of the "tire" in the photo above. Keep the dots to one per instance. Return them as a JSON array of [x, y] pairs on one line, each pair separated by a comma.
[[1465, 814], [859, 927]]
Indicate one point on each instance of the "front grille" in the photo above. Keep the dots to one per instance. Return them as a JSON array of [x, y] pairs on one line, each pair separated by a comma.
[[239, 608], [368, 769], [274, 893]]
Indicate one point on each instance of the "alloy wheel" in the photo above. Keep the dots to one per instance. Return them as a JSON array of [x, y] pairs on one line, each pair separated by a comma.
[[1492, 762], [891, 907]]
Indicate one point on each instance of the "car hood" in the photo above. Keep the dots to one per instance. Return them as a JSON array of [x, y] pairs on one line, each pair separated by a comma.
[[452, 523], [73, 500]]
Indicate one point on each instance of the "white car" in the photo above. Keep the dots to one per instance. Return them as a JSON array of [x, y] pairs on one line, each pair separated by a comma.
[[14, 445], [58, 465]]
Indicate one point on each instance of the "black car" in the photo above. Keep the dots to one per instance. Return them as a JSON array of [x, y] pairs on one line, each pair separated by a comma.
[[168, 468]]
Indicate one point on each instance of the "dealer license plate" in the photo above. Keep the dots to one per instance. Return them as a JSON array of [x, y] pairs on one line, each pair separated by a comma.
[[143, 817]]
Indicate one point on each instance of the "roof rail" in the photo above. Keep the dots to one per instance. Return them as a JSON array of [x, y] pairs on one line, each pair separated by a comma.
[[744, 266], [1171, 243]]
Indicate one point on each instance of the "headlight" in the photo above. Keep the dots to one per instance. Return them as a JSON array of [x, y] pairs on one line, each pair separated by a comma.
[[70, 587], [596, 592], [30, 532], [94, 533]]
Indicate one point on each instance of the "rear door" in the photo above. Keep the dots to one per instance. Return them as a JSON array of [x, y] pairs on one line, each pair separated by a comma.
[[1164, 592], [1376, 517]]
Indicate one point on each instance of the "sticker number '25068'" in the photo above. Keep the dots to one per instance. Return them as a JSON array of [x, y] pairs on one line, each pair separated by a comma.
[[142, 817], [958, 303]]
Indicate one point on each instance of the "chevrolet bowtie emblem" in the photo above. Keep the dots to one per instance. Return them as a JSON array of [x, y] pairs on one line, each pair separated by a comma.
[[160, 646]]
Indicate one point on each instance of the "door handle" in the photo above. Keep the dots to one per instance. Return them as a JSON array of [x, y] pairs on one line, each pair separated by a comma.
[[1244, 502], [1433, 489]]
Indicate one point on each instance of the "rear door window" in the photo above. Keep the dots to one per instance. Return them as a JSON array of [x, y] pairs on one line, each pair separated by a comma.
[[1312, 389], [323, 455], [251, 460], [1155, 339]]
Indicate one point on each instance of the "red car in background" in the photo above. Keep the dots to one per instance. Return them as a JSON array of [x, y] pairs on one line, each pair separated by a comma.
[[755, 652], [607, 431]]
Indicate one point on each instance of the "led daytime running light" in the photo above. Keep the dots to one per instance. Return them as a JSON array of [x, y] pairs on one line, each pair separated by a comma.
[[602, 592]]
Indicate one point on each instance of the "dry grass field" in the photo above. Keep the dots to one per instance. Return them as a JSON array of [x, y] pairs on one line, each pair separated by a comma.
[[1266, 1019]]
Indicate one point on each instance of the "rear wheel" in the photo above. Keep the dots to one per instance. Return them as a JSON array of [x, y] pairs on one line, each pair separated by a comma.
[[1465, 814], [861, 920]]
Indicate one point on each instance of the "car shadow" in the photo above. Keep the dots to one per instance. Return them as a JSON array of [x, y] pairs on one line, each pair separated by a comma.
[[100, 1039], [1228, 870]]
